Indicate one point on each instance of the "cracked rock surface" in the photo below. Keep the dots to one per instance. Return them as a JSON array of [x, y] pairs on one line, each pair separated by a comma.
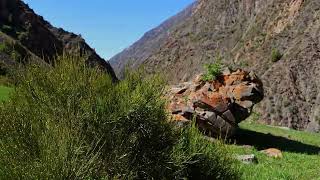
[[216, 106]]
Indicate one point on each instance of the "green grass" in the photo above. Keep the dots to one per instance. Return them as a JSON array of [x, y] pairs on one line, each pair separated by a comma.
[[4, 93], [301, 152], [276, 55]]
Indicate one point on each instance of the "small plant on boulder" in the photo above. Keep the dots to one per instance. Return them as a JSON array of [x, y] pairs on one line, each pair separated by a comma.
[[213, 70]]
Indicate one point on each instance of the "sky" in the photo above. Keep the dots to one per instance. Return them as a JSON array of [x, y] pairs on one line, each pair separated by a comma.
[[108, 26]]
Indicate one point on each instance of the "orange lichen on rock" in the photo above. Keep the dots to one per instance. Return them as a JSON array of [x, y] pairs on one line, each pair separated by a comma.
[[219, 105]]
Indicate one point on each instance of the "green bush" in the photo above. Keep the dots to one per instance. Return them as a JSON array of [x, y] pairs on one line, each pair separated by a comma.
[[74, 122], [275, 55], [7, 29], [3, 69], [3, 47], [212, 71], [23, 36], [12, 50]]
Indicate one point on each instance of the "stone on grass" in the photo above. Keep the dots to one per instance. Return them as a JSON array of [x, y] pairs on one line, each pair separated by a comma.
[[247, 159], [273, 152]]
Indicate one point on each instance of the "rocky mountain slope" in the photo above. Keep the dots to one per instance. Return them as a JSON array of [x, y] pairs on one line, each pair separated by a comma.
[[26, 35], [278, 39]]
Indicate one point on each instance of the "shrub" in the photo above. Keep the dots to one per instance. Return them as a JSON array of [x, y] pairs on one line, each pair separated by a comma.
[[74, 122], [3, 70], [12, 50], [8, 29], [213, 70], [23, 36], [275, 55], [3, 47]]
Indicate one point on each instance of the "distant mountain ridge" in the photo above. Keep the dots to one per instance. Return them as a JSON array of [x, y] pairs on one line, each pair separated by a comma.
[[278, 39], [151, 41], [32, 36]]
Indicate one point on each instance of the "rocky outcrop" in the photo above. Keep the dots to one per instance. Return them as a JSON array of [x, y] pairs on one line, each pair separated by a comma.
[[20, 25], [217, 106]]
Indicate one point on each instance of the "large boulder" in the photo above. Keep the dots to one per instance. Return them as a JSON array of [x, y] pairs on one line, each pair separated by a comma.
[[217, 106]]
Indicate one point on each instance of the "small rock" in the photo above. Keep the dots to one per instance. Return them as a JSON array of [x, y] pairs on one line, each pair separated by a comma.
[[243, 90], [180, 121], [247, 146], [211, 116], [226, 71], [215, 102], [235, 77], [247, 159], [210, 139], [197, 79], [176, 107], [253, 76], [182, 90], [216, 85], [272, 152], [178, 117], [284, 128], [229, 116], [245, 104]]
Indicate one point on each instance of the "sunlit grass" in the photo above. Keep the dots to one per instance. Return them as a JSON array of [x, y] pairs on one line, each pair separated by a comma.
[[301, 158], [4, 92]]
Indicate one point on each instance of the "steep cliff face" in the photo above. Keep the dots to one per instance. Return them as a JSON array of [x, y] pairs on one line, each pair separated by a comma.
[[23, 28], [278, 39]]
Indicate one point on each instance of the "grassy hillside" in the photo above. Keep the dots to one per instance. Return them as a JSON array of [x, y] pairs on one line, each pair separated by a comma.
[[4, 92], [301, 152]]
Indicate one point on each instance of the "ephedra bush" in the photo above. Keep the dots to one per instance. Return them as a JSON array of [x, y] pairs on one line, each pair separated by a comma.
[[71, 121]]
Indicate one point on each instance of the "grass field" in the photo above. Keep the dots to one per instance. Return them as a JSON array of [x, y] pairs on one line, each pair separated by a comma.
[[301, 153], [4, 93]]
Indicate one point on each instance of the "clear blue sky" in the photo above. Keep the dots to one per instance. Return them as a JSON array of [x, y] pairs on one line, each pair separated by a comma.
[[109, 26]]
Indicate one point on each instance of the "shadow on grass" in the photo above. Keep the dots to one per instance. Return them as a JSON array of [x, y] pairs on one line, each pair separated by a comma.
[[263, 141]]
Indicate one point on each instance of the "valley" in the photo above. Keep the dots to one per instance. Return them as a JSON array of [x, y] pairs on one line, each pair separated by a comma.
[[221, 90]]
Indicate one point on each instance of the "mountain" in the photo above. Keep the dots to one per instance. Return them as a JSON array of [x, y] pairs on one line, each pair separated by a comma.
[[278, 39], [137, 53], [27, 36]]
